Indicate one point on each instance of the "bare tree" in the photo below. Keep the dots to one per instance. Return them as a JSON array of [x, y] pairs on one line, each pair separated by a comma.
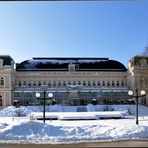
[[145, 52]]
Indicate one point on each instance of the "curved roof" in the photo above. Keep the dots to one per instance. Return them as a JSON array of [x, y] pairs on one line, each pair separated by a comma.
[[61, 64]]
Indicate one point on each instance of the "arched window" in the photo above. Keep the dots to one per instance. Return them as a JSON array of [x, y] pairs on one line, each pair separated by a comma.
[[2, 81], [1, 102]]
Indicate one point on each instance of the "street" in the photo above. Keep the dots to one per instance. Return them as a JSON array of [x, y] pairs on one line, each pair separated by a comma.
[[129, 143]]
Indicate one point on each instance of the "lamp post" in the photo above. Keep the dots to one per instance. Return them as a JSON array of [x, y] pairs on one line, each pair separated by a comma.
[[50, 95], [142, 94]]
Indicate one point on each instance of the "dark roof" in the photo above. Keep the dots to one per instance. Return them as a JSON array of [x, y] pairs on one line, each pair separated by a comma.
[[6, 59], [61, 64]]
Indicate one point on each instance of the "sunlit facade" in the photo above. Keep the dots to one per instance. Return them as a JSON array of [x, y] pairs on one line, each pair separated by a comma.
[[73, 81]]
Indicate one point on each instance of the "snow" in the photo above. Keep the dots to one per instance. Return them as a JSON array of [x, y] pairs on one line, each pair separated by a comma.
[[26, 110], [71, 131], [33, 63], [78, 115], [15, 129]]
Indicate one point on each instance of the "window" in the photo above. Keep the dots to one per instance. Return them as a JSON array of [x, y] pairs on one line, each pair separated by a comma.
[[117, 83], [1, 81], [39, 83], [44, 83], [59, 84], [1, 102], [98, 83], [19, 83], [94, 84], [64, 83], [24, 83], [122, 83], [29, 84], [84, 84], [54, 84], [108, 83], [49, 84], [89, 83], [71, 67], [113, 83], [103, 83], [79, 83]]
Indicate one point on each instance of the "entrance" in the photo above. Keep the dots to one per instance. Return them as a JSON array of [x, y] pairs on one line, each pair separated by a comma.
[[83, 102], [74, 101]]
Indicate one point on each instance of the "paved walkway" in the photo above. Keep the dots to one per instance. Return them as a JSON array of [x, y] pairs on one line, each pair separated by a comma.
[[130, 143]]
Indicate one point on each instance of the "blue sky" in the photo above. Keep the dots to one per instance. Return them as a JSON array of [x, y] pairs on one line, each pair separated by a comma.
[[116, 29]]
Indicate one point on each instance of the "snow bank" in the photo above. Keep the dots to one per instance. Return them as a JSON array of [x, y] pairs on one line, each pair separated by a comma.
[[90, 108], [72, 131]]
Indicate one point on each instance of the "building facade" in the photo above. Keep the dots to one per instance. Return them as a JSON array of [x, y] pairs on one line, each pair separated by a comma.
[[73, 81], [137, 76]]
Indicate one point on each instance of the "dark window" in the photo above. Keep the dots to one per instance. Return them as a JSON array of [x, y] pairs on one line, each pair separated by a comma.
[[64, 83], [122, 83], [49, 84], [108, 84], [24, 83], [54, 84], [39, 84], [29, 84], [117, 83], [89, 83], [19, 83], [94, 84], [59, 83], [103, 83], [2, 81], [79, 83], [113, 83], [84, 84], [1, 102], [98, 83]]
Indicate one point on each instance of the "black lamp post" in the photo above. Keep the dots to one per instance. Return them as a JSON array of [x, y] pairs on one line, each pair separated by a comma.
[[142, 94], [50, 95]]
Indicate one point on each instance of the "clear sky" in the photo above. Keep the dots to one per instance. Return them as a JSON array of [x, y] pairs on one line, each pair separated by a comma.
[[114, 29]]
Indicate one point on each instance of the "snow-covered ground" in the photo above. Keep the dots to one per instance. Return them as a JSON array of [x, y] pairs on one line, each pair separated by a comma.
[[26, 110], [21, 129]]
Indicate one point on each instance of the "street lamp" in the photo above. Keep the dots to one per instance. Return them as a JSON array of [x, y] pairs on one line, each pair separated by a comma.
[[142, 94], [50, 95]]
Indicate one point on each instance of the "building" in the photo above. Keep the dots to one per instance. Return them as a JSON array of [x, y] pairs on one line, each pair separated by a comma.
[[73, 81], [137, 76]]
